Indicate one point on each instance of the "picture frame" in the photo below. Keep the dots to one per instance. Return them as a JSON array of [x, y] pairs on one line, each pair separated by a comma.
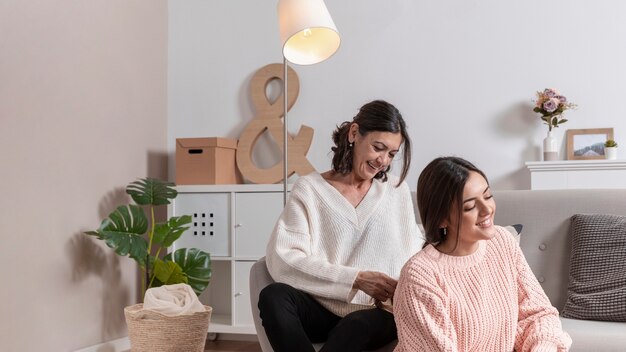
[[587, 144]]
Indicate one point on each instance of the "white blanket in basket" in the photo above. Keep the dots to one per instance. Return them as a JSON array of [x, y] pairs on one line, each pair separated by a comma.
[[172, 300]]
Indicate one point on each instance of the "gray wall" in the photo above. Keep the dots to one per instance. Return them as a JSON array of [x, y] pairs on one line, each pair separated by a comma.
[[463, 73]]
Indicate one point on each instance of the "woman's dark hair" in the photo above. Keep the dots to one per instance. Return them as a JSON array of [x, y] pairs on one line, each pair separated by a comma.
[[439, 189], [376, 116]]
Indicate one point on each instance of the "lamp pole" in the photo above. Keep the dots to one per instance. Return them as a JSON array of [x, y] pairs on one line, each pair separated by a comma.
[[285, 131]]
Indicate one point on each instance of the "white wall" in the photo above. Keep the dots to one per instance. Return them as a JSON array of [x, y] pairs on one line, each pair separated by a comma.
[[82, 113], [463, 73]]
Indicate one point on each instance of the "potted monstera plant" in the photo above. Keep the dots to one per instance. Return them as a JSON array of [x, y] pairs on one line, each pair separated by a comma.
[[128, 231]]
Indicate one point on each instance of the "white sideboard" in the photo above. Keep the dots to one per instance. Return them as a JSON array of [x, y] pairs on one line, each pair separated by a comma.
[[233, 223], [568, 174]]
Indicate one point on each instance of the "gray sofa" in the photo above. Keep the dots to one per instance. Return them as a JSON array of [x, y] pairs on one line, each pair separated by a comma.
[[545, 242]]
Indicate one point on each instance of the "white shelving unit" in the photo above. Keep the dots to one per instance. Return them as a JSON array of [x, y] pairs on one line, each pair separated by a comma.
[[233, 223], [568, 174]]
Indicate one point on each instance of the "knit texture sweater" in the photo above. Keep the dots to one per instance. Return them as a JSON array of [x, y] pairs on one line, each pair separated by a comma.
[[486, 301], [321, 242]]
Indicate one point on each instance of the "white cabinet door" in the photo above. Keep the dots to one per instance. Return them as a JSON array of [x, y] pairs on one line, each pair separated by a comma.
[[210, 222], [241, 295], [255, 217]]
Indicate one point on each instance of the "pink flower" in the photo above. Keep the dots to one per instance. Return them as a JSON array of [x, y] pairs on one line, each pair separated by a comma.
[[551, 104], [550, 93]]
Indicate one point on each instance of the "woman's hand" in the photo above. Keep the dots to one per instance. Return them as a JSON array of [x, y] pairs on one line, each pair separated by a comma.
[[376, 284]]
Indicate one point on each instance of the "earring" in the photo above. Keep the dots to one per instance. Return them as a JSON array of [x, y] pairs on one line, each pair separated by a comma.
[[444, 231], [350, 145]]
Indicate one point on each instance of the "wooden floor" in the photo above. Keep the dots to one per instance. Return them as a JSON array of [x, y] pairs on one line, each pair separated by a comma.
[[232, 346]]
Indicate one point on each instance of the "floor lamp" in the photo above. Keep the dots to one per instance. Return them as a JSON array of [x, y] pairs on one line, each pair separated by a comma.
[[308, 36]]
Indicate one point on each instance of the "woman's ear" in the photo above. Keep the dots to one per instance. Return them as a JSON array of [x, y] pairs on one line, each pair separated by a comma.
[[352, 132]]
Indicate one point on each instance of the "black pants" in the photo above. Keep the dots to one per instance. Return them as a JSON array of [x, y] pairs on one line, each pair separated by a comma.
[[293, 320]]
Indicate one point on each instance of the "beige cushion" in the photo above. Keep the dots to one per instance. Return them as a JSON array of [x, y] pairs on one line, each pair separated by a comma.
[[595, 336]]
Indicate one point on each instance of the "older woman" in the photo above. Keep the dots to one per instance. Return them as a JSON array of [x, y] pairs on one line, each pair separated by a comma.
[[341, 241]]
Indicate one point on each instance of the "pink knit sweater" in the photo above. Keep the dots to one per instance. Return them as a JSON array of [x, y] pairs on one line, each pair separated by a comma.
[[487, 301]]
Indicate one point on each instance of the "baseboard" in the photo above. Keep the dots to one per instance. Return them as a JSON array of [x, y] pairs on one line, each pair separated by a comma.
[[119, 345], [236, 337]]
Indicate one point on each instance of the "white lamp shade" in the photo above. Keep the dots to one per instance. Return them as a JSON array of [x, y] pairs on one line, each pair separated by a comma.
[[307, 32]]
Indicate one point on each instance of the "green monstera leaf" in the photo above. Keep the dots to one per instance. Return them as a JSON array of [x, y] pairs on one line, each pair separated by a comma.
[[123, 231], [196, 265], [168, 273], [128, 231], [166, 233], [150, 191]]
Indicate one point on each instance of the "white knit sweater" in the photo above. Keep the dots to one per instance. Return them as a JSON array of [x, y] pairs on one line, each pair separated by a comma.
[[321, 242]]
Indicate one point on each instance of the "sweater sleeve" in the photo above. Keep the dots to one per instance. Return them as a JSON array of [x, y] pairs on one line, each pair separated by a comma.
[[538, 328], [422, 316], [290, 260]]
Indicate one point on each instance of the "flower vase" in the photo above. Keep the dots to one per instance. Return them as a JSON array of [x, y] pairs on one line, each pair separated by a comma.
[[550, 148]]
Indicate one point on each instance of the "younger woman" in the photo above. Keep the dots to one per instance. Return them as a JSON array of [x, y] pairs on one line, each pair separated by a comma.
[[470, 288]]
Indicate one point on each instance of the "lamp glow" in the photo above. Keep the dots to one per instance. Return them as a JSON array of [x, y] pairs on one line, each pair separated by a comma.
[[307, 32]]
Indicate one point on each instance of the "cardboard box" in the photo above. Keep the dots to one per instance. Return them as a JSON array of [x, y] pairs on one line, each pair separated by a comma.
[[201, 161]]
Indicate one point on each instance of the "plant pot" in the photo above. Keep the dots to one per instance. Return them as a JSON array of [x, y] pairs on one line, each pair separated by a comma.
[[610, 153], [150, 331]]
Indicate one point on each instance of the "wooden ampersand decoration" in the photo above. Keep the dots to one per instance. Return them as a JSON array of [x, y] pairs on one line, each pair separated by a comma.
[[268, 118]]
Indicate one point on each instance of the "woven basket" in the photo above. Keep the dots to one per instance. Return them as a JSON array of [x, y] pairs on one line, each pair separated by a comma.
[[150, 331]]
